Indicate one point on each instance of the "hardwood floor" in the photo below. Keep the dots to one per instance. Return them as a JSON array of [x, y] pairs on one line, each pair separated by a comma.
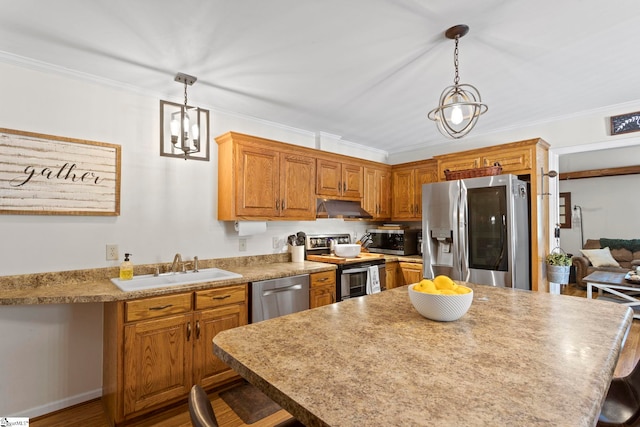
[[91, 414]]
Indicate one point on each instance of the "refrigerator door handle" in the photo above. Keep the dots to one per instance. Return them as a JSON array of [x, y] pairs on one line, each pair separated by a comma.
[[463, 250]]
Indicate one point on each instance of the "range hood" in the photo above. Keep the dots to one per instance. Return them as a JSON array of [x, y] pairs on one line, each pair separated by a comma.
[[328, 208]]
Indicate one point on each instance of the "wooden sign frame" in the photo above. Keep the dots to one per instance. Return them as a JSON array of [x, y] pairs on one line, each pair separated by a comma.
[[53, 175], [625, 123]]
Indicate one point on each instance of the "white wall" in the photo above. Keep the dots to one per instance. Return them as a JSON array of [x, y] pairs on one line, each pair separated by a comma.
[[52, 354]]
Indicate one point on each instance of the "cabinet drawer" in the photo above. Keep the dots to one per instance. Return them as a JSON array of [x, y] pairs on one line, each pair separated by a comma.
[[150, 308], [220, 296], [322, 278]]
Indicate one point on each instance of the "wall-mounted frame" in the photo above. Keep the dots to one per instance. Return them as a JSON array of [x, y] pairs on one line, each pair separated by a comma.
[[625, 123], [564, 212], [52, 175]]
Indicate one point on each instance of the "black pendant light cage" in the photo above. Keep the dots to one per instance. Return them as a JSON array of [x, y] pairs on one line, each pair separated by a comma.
[[459, 105]]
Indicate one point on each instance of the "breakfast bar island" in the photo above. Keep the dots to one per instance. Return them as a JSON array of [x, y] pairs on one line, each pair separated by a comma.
[[516, 358]]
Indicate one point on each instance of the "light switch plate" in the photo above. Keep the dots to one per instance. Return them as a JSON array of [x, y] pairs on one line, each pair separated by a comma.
[[242, 245]]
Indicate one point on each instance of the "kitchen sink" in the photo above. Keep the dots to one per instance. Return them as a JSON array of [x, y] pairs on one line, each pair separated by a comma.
[[150, 281]]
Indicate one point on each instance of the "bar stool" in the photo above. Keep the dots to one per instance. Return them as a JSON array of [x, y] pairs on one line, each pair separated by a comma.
[[202, 415], [621, 407]]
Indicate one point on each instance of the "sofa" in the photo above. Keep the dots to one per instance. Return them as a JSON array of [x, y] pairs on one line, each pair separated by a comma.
[[625, 254]]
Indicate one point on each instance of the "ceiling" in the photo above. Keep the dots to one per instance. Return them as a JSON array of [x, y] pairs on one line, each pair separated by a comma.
[[368, 71]]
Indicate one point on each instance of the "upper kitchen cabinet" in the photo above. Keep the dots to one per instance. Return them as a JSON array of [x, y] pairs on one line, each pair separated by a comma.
[[263, 179], [515, 160], [377, 192], [337, 179], [407, 181]]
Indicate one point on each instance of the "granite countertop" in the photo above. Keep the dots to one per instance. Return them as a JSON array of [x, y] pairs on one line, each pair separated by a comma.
[[516, 358], [94, 285], [403, 258]]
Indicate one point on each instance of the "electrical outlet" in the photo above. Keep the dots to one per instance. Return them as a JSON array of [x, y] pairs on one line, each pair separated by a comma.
[[112, 253], [242, 245], [275, 242]]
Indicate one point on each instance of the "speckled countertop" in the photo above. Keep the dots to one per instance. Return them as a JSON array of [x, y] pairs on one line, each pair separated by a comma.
[[516, 358], [94, 285]]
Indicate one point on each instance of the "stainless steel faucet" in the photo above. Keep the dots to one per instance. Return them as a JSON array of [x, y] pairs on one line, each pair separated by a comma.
[[177, 261], [195, 264]]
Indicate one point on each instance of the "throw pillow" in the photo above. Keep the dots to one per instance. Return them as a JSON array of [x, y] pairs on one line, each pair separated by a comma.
[[600, 257]]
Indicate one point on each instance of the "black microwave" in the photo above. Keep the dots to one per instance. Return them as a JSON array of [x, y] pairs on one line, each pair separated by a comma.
[[393, 242]]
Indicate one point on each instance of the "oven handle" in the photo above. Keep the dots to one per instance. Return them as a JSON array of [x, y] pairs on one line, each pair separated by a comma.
[[284, 289]]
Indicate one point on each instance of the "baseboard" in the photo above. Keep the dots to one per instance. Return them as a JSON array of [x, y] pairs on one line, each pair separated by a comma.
[[59, 404]]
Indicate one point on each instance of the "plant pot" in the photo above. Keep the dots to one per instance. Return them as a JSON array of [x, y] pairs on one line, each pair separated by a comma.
[[558, 273]]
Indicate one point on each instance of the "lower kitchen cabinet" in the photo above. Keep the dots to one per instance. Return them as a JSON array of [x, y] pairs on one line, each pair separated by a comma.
[[411, 272], [322, 288], [156, 348], [393, 275]]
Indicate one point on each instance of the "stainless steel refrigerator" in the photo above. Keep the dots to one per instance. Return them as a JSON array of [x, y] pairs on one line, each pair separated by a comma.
[[477, 230]]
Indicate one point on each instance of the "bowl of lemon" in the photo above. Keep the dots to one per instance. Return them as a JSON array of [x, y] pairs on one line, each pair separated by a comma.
[[440, 298]]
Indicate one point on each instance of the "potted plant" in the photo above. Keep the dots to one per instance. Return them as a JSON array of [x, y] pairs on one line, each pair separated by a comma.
[[558, 267]]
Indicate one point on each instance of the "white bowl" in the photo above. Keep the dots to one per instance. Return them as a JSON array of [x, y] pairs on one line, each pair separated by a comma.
[[347, 250], [443, 308]]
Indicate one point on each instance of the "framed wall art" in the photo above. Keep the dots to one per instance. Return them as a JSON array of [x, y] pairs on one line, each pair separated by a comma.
[[625, 123], [52, 175]]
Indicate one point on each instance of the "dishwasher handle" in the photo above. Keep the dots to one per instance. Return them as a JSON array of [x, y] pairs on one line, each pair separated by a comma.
[[283, 289]]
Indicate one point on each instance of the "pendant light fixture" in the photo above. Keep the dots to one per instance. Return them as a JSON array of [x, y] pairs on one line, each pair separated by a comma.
[[460, 105], [187, 133]]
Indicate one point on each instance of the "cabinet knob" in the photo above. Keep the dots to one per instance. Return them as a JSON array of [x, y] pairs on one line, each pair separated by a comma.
[[188, 330], [282, 204], [277, 205], [197, 329]]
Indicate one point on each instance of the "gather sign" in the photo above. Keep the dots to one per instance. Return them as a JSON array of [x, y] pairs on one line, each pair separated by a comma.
[[51, 175]]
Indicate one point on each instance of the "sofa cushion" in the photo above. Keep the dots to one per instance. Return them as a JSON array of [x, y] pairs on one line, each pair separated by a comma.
[[600, 257]]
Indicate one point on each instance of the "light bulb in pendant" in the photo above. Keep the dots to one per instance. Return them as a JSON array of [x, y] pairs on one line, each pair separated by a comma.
[[456, 115]]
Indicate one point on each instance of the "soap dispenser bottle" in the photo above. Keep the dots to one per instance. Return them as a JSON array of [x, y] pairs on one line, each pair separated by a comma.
[[126, 268]]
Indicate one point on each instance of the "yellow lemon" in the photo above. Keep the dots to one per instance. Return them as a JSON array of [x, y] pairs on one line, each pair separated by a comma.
[[443, 282], [448, 292], [462, 289]]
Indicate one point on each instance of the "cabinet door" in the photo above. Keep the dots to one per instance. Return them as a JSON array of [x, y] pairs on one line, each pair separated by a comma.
[[352, 181], [391, 272], [403, 194], [157, 361], [322, 295], [384, 194], [297, 187], [512, 161], [258, 185], [458, 163], [370, 197], [329, 178], [322, 288], [208, 369], [411, 272], [424, 175]]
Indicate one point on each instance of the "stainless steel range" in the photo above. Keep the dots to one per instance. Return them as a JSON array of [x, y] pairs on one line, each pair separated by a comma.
[[353, 273]]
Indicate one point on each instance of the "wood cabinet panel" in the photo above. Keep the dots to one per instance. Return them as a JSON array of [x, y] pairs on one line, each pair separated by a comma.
[[151, 362], [337, 179], [512, 161], [459, 163], [209, 370], [411, 272], [216, 297], [297, 187], [391, 272], [377, 192], [157, 364], [322, 288], [150, 308], [258, 185], [407, 190]]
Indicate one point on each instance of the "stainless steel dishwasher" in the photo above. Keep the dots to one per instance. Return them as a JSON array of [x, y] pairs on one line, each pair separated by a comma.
[[277, 297]]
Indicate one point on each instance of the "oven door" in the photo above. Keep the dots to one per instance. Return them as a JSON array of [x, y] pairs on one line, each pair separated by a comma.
[[353, 280]]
